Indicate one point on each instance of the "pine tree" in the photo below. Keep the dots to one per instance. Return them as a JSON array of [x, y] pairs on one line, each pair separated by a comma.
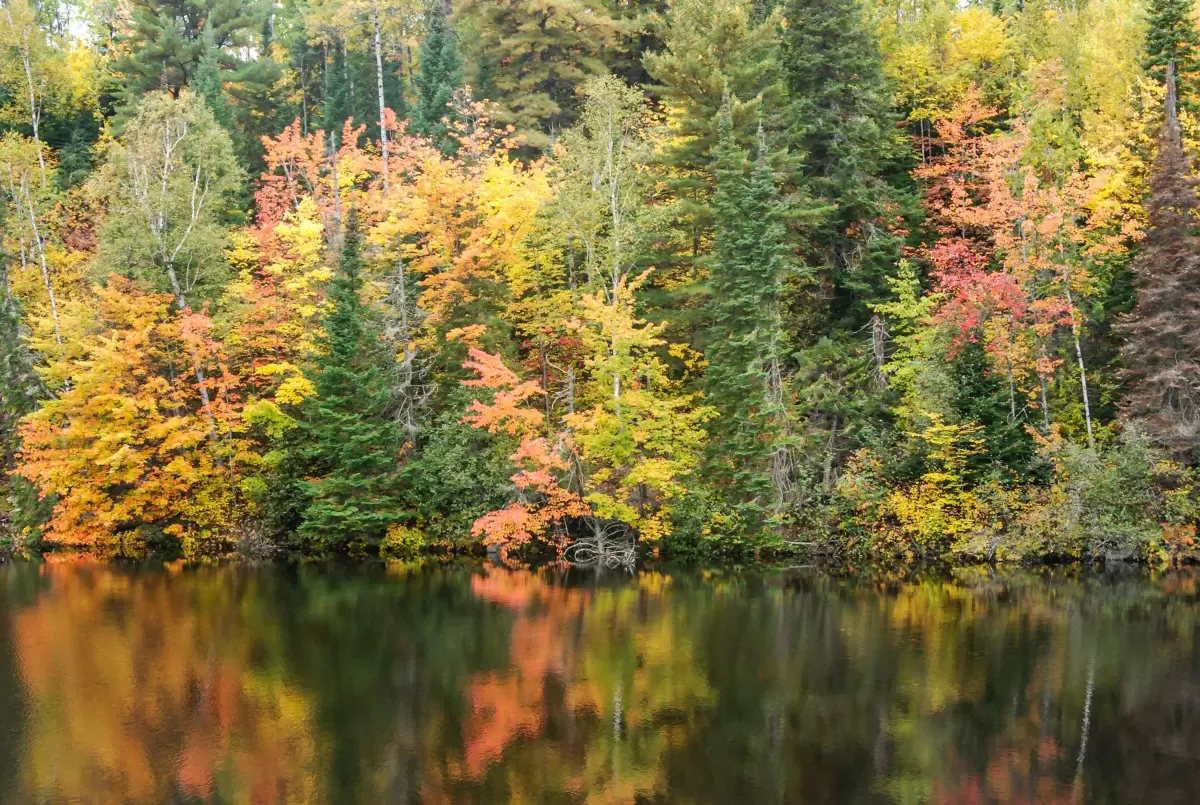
[[841, 125], [744, 380], [439, 76], [350, 443], [1171, 37], [712, 48], [530, 56], [208, 84], [1162, 350], [170, 44]]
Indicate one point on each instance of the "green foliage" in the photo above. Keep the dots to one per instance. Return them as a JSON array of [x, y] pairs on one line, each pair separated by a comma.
[[350, 90], [460, 475], [751, 438], [532, 57], [350, 444], [712, 50], [168, 42], [439, 77], [839, 120], [207, 83], [169, 230], [1171, 37], [980, 396]]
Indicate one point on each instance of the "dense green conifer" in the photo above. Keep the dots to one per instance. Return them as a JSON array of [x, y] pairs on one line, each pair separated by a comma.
[[843, 128], [745, 380], [439, 75], [1171, 37], [349, 440]]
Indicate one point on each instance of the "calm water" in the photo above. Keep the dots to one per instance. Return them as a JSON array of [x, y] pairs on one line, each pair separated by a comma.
[[468, 684]]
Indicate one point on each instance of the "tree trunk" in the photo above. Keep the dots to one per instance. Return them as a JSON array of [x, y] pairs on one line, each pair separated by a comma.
[[383, 135], [26, 198], [181, 302]]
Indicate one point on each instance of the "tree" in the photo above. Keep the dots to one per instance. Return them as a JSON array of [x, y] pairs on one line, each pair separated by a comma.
[[207, 83], [31, 198], [531, 56], [349, 441], [1172, 38], [20, 386], [169, 180], [841, 124], [639, 437], [745, 379], [440, 75], [127, 443], [712, 50], [33, 73], [542, 502], [1162, 351], [167, 40]]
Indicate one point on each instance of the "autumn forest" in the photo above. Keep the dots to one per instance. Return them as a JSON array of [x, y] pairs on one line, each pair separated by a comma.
[[898, 279]]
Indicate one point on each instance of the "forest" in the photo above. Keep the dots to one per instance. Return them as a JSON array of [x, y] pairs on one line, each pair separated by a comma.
[[888, 279]]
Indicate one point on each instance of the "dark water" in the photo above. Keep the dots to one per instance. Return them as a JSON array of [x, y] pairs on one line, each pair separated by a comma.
[[465, 684]]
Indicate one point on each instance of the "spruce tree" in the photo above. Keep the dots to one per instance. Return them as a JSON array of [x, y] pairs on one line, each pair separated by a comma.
[[1162, 349], [208, 84], [841, 125], [531, 56], [713, 48], [351, 91], [439, 76], [744, 380], [350, 442], [1171, 38]]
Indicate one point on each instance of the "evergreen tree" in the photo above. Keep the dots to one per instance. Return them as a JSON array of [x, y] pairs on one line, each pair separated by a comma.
[[168, 39], [979, 397], [338, 107], [350, 443], [744, 380], [842, 127], [1162, 350], [351, 90], [1171, 37], [531, 56], [439, 76], [839, 123], [713, 48], [207, 83], [170, 44]]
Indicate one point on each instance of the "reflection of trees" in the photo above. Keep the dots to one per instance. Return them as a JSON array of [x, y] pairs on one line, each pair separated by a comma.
[[602, 683], [469, 685], [124, 670]]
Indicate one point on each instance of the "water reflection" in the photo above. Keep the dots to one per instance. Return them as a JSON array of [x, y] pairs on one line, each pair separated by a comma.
[[471, 684]]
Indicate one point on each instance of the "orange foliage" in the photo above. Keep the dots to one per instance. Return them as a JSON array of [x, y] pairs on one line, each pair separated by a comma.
[[130, 441], [542, 504]]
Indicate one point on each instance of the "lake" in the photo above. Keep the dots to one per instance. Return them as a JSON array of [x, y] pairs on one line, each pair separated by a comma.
[[466, 683]]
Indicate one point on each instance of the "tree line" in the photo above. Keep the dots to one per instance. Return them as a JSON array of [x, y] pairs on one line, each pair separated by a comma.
[[904, 278]]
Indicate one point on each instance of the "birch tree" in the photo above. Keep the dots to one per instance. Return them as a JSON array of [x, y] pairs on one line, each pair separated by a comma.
[[170, 179]]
